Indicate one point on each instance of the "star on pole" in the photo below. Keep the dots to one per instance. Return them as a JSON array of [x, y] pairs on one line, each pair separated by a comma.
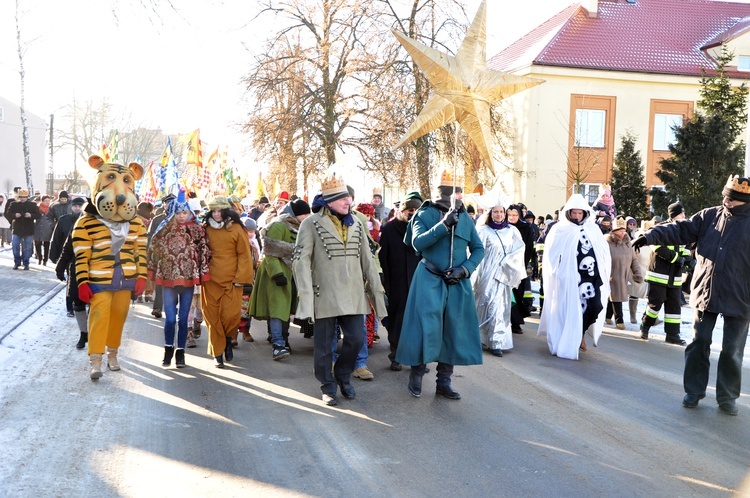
[[464, 88]]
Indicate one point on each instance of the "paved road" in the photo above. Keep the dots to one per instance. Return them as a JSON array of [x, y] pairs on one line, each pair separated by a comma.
[[529, 424]]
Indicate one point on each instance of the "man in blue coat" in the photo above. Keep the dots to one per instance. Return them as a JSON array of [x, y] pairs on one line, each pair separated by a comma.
[[440, 321], [719, 286]]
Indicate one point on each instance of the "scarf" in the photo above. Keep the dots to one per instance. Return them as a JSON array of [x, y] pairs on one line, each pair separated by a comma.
[[43, 209], [609, 202], [497, 226], [117, 230]]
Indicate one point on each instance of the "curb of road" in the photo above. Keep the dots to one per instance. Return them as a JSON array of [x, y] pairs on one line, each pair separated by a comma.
[[32, 309]]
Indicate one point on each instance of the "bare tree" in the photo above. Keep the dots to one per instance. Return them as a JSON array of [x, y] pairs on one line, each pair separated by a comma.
[[21, 48]]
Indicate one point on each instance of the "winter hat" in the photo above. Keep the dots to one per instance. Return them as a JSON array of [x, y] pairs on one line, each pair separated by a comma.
[[412, 200], [62, 195], [250, 224], [218, 202], [283, 196], [78, 201], [675, 209], [263, 200], [366, 209], [299, 207], [334, 188], [144, 208], [737, 189]]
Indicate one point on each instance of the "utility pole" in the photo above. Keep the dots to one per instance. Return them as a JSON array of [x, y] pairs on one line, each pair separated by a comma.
[[51, 174]]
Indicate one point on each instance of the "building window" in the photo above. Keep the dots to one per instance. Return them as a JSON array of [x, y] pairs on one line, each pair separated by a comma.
[[744, 63], [589, 191], [590, 128], [664, 130]]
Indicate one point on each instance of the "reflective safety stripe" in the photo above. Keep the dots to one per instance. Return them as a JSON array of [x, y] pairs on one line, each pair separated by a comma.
[[528, 295], [671, 320], [652, 313]]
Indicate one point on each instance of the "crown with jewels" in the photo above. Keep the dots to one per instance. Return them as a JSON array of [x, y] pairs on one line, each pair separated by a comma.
[[334, 184], [446, 179], [738, 184]]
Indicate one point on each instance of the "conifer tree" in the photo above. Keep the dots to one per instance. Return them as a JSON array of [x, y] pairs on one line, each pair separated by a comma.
[[707, 147], [628, 181]]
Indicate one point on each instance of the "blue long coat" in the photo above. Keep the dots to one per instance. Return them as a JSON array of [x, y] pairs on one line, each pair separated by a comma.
[[440, 321]]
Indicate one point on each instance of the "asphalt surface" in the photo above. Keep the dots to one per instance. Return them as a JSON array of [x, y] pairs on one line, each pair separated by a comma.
[[529, 424]]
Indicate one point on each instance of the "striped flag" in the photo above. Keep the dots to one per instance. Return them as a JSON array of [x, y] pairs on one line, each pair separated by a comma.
[[113, 148]]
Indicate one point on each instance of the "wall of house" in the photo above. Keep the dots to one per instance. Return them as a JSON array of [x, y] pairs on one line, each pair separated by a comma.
[[542, 117], [12, 173]]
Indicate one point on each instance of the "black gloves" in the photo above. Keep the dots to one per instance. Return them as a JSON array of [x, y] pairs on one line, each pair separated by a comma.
[[280, 279], [450, 219], [455, 274], [639, 242], [60, 274], [680, 261]]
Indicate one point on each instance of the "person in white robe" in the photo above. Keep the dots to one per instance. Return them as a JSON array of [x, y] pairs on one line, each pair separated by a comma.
[[501, 270], [576, 272]]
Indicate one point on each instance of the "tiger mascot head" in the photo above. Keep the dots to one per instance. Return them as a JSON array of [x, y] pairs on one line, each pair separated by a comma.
[[114, 192]]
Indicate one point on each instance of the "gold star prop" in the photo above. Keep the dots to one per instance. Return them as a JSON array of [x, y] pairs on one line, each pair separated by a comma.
[[464, 88]]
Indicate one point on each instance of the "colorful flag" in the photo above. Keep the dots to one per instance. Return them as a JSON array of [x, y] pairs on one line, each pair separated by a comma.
[[194, 148], [260, 187], [104, 153], [146, 186], [113, 148]]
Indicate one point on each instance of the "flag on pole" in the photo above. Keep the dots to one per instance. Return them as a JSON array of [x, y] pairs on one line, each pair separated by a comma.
[[194, 148], [260, 187], [167, 177], [113, 148], [146, 186], [104, 153]]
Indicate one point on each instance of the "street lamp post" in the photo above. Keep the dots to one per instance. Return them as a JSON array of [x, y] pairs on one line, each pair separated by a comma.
[[51, 174]]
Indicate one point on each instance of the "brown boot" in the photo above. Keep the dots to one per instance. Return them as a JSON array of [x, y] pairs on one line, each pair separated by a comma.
[[112, 360], [95, 361]]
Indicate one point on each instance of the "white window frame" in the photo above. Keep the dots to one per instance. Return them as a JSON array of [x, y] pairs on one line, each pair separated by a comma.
[[743, 63], [663, 129], [590, 128], [587, 190]]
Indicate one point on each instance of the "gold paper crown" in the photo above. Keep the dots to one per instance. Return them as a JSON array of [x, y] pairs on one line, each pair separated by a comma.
[[738, 184], [606, 186], [333, 185], [620, 224], [446, 179], [377, 191]]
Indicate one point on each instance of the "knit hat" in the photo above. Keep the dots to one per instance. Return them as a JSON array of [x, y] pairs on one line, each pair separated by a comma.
[[412, 200], [299, 207], [737, 189], [675, 209], [250, 224], [283, 196], [62, 195], [334, 188], [366, 208], [218, 202], [78, 201]]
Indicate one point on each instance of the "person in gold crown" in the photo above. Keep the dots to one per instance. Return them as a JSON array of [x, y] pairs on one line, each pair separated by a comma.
[[335, 272], [719, 286], [440, 320]]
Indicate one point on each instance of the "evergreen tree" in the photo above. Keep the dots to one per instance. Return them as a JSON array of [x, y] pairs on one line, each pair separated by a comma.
[[707, 147], [628, 180]]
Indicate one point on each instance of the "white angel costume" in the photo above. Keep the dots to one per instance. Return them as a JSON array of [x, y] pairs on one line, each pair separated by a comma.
[[573, 252]]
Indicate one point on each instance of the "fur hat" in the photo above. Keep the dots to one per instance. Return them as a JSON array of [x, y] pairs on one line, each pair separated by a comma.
[[737, 189], [675, 209], [299, 207], [334, 188], [218, 202], [412, 200]]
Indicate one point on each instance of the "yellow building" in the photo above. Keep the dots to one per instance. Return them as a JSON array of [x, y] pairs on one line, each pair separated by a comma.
[[610, 66]]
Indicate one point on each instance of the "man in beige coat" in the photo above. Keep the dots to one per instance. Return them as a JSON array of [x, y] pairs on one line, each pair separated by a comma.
[[336, 274]]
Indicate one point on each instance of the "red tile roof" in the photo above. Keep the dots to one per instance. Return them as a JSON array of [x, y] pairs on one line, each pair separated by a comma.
[[649, 36]]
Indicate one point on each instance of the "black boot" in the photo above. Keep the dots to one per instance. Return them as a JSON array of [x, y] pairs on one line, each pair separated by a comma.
[[83, 340], [168, 353], [219, 361], [179, 358], [228, 353], [415, 383]]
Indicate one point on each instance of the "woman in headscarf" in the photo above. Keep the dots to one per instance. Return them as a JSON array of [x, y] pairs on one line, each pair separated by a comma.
[[178, 260], [576, 274], [500, 271], [231, 268]]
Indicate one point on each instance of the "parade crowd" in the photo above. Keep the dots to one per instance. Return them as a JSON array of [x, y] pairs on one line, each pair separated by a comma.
[[447, 279]]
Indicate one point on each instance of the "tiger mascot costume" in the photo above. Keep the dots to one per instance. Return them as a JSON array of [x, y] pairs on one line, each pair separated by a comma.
[[109, 242]]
